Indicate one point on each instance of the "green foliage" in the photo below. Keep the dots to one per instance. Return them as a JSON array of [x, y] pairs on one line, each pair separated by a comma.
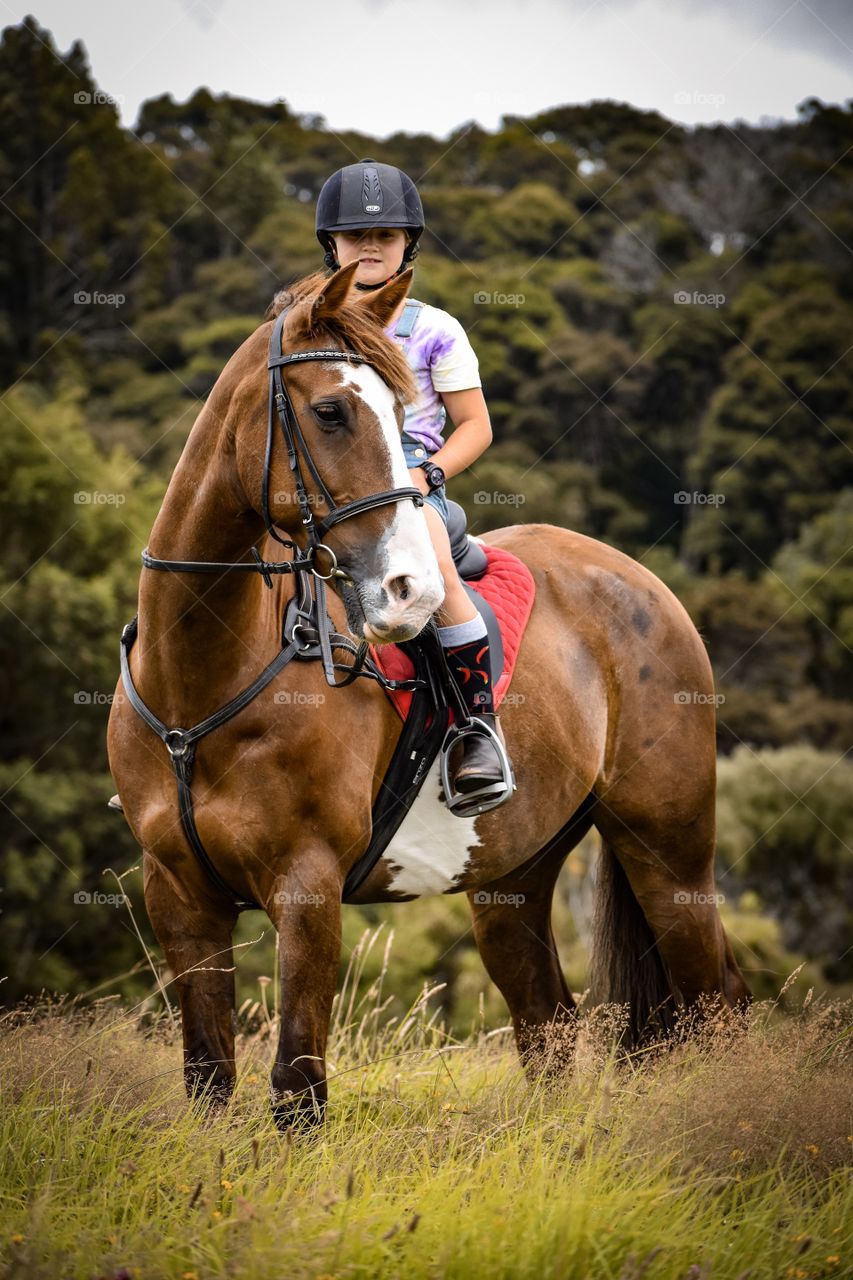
[[785, 830], [69, 928], [530, 220], [778, 439], [816, 571]]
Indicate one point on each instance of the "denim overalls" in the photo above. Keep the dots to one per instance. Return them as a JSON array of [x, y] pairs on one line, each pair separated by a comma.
[[415, 450]]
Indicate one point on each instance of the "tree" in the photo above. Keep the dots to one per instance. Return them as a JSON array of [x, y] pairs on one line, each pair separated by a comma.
[[785, 830], [777, 441], [60, 201], [721, 187], [816, 573]]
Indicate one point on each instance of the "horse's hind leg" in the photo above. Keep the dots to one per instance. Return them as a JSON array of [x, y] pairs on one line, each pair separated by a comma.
[[512, 927], [195, 934], [658, 864]]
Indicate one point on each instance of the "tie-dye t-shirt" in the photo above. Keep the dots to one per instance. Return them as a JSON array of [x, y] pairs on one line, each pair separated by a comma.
[[442, 359]]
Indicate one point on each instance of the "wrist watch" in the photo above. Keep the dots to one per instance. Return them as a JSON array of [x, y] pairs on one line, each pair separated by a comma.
[[434, 474]]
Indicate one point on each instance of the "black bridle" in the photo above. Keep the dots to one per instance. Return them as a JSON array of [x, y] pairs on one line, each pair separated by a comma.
[[294, 442], [311, 610]]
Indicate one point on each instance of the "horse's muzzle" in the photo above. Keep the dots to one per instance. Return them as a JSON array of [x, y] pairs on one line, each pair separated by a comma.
[[394, 610]]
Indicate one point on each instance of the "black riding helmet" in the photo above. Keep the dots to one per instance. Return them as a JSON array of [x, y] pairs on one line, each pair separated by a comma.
[[369, 193]]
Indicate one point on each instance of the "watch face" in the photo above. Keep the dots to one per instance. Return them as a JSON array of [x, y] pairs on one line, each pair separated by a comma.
[[436, 476]]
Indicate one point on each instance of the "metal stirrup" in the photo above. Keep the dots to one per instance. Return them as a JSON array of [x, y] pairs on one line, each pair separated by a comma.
[[467, 804]]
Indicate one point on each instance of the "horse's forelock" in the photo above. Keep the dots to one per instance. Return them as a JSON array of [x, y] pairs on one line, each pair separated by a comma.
[[350, 327]]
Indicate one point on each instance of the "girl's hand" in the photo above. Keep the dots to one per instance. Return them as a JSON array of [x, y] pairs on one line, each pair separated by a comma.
[[419, 480]]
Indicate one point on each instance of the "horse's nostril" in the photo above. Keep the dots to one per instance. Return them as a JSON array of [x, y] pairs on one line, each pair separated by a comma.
[[401, 588]]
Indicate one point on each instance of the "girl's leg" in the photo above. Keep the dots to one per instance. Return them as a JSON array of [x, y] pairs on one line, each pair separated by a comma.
[[457, 605], [466, 645]]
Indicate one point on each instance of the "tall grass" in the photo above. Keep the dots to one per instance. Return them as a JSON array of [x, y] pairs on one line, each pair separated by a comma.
[[725, 1155]]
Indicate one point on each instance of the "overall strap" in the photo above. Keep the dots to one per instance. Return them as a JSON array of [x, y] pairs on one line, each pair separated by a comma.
[[408, 319]]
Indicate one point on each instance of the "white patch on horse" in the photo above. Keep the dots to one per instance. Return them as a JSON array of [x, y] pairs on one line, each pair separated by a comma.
[[407, 543], [432, 846]]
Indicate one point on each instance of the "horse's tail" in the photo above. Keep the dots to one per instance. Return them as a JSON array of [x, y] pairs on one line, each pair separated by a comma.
[[626, 964]]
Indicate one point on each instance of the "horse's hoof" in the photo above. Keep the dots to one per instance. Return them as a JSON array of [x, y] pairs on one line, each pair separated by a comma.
[[211, 1095], [299, 1117]]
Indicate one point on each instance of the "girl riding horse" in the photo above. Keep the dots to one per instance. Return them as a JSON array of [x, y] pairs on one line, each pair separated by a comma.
[[371, 213]]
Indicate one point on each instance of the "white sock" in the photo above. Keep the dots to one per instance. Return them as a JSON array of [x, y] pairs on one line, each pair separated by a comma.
[[462, 632]]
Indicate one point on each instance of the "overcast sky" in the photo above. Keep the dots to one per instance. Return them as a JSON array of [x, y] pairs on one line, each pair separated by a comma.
[[385, 65]]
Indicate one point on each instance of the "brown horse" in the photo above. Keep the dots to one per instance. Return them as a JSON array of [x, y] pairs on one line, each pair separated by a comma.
[[612, 724]]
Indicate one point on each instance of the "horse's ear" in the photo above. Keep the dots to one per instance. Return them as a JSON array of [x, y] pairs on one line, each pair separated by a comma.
[[334, 295], [384, 302]]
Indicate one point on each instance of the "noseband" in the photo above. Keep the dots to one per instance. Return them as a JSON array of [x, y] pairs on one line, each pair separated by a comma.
[[281, 403]]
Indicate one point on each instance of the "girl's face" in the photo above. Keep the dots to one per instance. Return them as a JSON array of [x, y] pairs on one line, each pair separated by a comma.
[[377, 250]]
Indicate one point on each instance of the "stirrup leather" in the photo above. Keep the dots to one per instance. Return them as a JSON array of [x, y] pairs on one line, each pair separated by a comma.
[[467, 804]]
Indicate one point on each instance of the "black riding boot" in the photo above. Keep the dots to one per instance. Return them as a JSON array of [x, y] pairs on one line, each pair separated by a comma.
[[477, 763]]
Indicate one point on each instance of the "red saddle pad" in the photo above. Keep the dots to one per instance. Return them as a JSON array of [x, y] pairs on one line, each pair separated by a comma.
[[509, 588]]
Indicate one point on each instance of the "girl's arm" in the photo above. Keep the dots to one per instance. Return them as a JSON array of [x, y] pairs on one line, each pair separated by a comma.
[[473, 430]]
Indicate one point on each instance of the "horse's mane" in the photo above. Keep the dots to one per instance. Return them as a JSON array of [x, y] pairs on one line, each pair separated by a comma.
[[352, 327]]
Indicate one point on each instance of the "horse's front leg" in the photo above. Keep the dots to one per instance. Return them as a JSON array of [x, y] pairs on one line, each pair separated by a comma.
[[194, 929], [306, 909]]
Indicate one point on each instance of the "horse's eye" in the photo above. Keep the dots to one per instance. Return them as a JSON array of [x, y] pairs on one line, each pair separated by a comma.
[[328, 414]]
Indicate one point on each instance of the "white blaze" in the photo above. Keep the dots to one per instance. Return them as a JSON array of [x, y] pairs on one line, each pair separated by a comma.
[[407, 543]]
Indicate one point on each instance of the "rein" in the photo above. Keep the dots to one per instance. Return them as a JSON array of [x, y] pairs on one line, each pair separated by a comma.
[[312, 618]]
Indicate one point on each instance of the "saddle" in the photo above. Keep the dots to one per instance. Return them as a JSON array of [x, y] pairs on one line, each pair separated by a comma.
[[502, 589]]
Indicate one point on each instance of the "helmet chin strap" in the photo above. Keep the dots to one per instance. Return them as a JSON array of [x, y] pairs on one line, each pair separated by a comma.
[[331, 261], [369, 288]]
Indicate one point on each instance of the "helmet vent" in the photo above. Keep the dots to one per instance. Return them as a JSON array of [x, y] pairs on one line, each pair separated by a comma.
[[371, 191]]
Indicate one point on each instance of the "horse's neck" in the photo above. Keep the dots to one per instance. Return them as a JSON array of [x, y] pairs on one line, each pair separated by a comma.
[[203, 628]]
